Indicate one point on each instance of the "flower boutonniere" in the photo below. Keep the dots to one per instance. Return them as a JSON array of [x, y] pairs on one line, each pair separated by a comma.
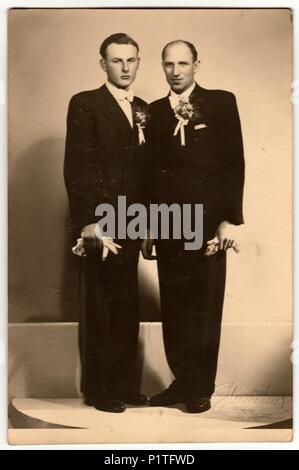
[[184, 111], [141, 119]]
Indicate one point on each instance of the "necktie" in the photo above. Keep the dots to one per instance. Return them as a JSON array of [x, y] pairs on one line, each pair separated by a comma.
[[127, 95], [125, 99], [176, 99]]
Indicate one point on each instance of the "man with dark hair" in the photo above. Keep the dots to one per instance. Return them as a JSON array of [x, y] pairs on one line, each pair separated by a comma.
[[118, 38], [103, 159], [196, 157]]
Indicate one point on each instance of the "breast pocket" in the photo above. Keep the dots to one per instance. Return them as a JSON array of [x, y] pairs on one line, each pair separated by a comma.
[[201, 132]]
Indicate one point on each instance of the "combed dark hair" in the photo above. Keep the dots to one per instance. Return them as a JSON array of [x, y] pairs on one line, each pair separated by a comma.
[[118, 38], [181, 41]]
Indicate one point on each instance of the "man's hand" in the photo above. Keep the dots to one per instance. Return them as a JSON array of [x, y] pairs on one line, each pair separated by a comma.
[[89, 233], [224, 239], [147, 247], [109, 245], [226, 233]]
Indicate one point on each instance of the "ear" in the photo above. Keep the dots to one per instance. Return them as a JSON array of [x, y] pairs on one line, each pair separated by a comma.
[[103, 64], [196, 66]]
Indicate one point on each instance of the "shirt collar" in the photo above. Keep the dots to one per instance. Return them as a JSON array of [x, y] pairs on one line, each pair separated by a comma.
[[118, 93], [175, 98]]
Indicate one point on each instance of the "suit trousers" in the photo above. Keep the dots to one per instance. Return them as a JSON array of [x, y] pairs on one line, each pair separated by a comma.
[[192, 293], [109, 322]]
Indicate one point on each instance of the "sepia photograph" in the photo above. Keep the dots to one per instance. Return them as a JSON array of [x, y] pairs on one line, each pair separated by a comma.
[[150, 155]]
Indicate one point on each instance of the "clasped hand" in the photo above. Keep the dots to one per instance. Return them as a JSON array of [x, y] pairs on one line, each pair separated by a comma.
[[223, 240], [88, 233]]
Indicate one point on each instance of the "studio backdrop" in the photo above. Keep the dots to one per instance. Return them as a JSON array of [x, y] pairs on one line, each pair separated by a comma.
[[54, 54]]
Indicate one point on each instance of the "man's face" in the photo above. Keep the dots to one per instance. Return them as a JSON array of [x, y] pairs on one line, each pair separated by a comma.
[[121, 64], [179, 67]]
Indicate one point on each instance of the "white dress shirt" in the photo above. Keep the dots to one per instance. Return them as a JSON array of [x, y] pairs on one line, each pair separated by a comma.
[[124, 99], [174, 98]]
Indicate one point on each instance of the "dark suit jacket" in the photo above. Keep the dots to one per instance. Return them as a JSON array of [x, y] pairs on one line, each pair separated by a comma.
[[209, 169], [103, 158]]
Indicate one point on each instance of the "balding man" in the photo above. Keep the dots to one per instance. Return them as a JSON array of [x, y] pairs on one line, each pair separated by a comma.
[[196, 158]]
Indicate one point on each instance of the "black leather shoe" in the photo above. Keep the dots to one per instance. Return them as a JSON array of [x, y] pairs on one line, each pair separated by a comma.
[[198, 405], [137, 400], [106, 404], [168, 397]]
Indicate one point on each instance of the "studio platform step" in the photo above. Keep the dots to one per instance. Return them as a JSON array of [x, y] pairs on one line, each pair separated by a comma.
[[69, 420]]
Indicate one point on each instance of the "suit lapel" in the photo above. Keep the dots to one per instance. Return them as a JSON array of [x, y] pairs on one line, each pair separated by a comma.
[[197, 100], [168, 117], [196, 94], [135, 129], [116, 115]]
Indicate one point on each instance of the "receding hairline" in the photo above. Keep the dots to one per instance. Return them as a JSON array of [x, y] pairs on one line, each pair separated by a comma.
[[188, 44]]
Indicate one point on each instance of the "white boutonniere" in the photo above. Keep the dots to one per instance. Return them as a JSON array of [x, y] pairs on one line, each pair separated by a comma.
[[183, 112], [141, 118]]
